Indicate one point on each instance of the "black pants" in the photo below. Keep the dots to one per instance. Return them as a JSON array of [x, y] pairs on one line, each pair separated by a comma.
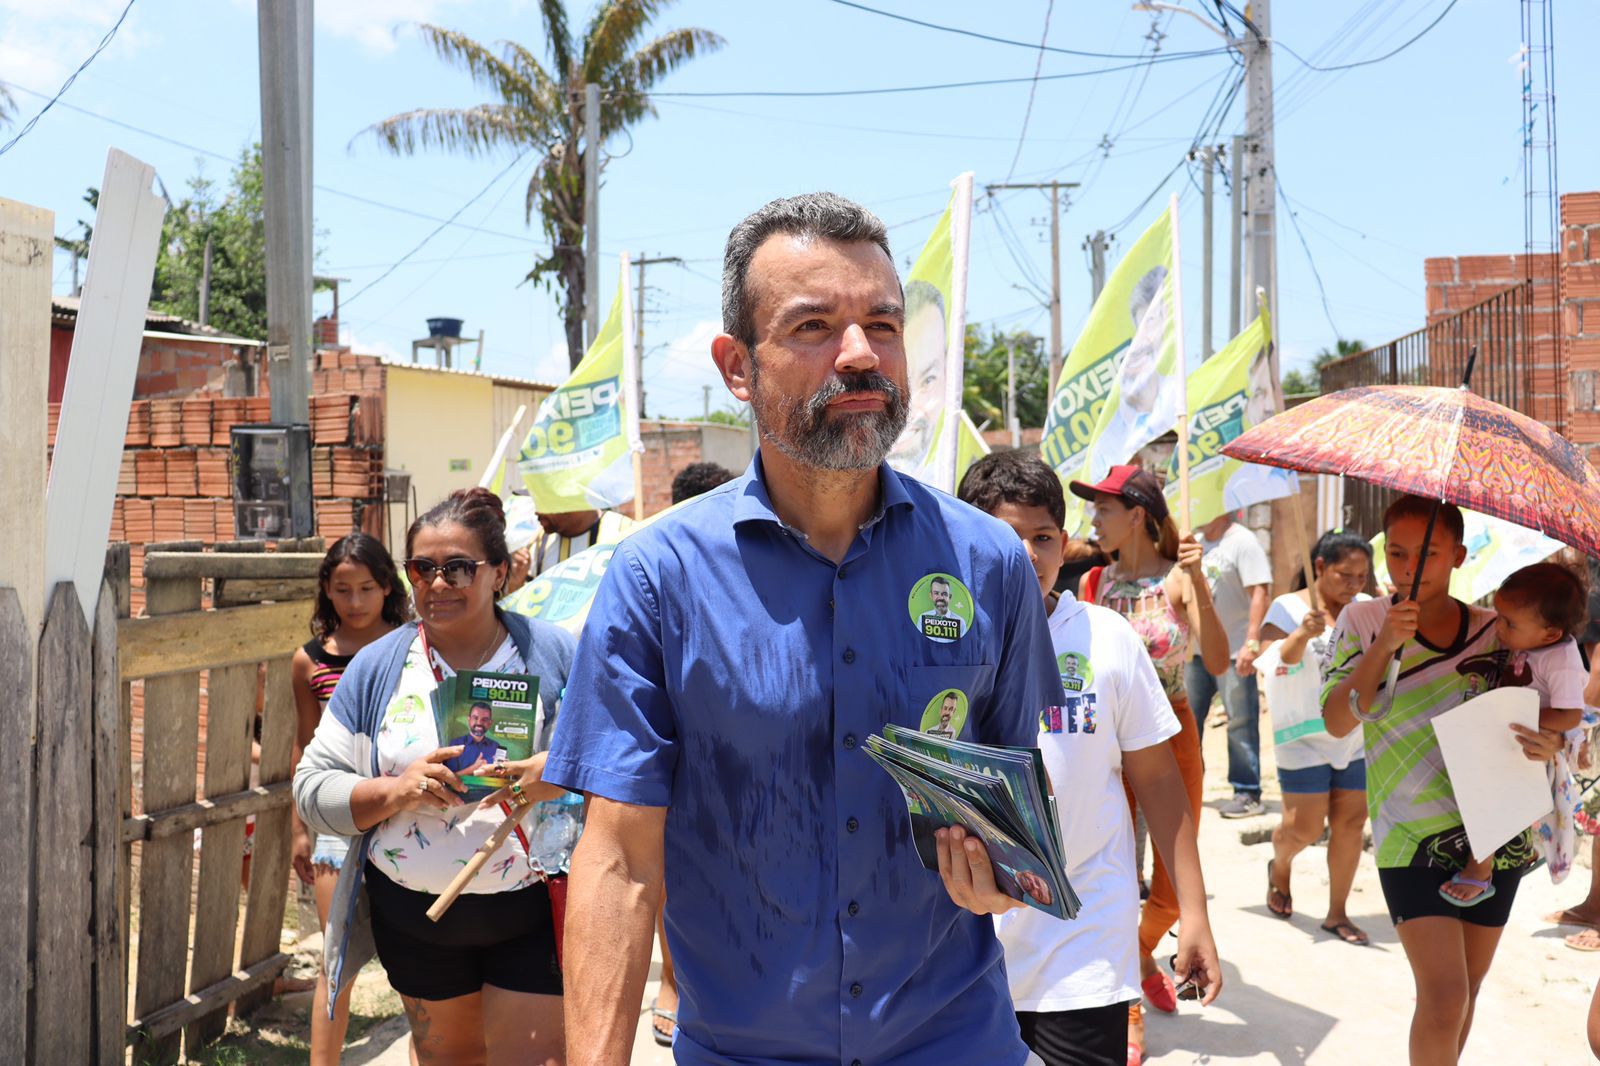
[[1094, 1036]]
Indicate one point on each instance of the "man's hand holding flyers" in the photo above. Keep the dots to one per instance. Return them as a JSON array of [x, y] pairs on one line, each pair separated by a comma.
[[968, 874]]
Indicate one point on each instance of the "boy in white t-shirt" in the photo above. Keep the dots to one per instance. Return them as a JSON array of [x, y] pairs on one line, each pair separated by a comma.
[[1071, 981]]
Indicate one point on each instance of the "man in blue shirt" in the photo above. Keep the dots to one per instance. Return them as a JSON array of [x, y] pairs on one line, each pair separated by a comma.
[[737, 656], [475, 743]]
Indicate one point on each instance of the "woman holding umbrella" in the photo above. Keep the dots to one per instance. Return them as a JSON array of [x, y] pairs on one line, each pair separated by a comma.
[[1449, 654]]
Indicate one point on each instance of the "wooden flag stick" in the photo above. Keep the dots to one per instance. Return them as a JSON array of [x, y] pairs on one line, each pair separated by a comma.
[[638, 485], [1304, 540], [475, 864], [1182, 372]]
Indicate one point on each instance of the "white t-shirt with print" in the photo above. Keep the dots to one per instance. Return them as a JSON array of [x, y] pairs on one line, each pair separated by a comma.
[[1294, 695], [424, 850], [1092, 961], [1555, 672]]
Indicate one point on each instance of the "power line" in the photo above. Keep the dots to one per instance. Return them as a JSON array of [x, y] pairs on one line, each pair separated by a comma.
[[435, 231], [101, 47], [1167, 58], [1006, 40], [1033, 88], [1315, 273], [1345, 66], [233, 161]]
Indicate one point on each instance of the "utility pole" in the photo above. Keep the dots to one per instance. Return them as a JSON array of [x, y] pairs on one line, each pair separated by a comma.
[[591, 213], [1055, 188], [1262, 186], [1208, 156], [284, 29], [1236, 266], [204, 317], [705, 415], [1097, 243], [638, 319], [1012, 422]]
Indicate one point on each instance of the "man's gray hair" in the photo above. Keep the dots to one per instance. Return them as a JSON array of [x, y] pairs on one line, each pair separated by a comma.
[[817, 214]]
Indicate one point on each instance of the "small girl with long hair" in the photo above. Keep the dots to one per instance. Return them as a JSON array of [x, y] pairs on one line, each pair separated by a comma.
[[1538, 609], [359, 599]]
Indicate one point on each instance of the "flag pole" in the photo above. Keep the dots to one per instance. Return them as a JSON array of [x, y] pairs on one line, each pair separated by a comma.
[[1183, 371], [956, 337], [499, 457], [633, 387]]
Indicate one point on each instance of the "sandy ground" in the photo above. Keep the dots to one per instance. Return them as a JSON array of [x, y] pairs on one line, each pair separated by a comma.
[[1292, 994]]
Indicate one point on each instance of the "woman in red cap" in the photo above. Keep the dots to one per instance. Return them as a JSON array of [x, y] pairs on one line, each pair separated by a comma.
[[1155, 582]]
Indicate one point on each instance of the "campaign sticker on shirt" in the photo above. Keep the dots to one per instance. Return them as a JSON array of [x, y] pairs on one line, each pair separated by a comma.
[[1077, 675], [941, 608], [945, 714]]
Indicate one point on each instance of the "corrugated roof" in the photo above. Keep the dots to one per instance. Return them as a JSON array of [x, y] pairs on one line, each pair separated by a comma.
[[499, 379], [64, 309]]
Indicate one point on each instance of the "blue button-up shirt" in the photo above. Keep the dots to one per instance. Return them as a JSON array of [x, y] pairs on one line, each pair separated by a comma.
[[731, 673]]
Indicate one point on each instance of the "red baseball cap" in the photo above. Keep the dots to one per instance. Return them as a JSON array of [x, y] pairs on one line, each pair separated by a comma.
[[1132, 483]]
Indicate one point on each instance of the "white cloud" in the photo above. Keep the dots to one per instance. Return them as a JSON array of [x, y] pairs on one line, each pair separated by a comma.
[[41, 42], [377, 25], [370, 346], [692, 351]]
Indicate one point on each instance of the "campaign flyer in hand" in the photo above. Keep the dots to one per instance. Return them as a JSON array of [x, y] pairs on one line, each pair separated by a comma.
[[493, 717]]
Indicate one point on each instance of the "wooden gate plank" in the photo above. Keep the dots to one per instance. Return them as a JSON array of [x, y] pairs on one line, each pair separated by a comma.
[[269, 863], [110, 919], [17, 648], [63, 834], [230, 717], [171, 751]]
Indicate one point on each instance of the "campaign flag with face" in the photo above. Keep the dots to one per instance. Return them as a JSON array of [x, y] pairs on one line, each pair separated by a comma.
[[1121, 386], [1231, 392], [577, 455], [935, 331]]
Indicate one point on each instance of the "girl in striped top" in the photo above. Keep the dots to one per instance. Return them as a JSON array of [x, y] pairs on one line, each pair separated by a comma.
[[359, 599]]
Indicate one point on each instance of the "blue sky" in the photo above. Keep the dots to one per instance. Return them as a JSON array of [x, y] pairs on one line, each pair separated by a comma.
[[1385, 164]]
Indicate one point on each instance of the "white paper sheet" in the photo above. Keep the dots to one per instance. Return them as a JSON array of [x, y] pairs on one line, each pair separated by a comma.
[[1499, 790]]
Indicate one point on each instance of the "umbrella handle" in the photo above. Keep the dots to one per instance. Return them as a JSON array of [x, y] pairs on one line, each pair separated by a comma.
[[1383, 702]]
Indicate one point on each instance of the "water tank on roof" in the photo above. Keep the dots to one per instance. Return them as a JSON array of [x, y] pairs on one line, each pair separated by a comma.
[[444, 327]]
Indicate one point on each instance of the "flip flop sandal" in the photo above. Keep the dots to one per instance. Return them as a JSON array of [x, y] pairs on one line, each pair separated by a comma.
[[1457, 879], [1559, 918], [662, 1039], [1347, 932], [1160, 991], [1588, 940], [1273, 891]]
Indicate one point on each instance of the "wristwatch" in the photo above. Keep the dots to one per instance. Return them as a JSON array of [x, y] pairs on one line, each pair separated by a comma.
[[1253, 647]]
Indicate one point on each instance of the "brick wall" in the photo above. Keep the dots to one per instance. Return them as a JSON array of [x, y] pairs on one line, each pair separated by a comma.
[[1580, 311], [668, 449]]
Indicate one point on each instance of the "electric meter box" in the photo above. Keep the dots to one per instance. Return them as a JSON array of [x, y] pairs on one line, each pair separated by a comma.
[[272, 482]]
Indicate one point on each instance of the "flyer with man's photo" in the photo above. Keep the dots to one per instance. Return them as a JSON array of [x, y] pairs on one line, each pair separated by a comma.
[[493, 717]]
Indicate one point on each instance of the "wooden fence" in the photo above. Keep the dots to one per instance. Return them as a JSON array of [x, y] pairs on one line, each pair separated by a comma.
[[78, 821]]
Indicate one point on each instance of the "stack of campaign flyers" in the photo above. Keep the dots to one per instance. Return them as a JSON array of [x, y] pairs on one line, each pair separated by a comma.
[[999, 794], [493, 717]]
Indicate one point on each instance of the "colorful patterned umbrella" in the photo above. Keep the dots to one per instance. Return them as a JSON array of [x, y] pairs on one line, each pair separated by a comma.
[[1442, 444]]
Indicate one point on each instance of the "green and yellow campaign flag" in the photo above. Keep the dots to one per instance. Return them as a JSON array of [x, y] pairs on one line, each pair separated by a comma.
[[1120, 386], [1231, 392], [577, 454], [970, 446], [934, 339]]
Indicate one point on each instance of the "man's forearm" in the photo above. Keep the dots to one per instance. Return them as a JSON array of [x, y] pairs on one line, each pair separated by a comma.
[[610, 920], [1258, 611]]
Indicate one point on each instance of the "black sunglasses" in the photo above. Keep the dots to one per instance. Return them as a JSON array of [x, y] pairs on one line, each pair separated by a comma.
[[1187, 989], [458, 573]]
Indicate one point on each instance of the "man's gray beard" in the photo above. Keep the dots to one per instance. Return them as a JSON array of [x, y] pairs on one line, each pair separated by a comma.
[[804, 433]]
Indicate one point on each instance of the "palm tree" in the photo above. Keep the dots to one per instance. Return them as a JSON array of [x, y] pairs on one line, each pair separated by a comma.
[[540, 109]]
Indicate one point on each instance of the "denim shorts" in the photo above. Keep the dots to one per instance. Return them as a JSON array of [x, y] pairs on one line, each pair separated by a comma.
[[329, 850], [1323, 778]]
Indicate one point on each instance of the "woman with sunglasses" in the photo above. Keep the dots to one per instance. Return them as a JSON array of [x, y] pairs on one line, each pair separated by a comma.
[[483, 984]]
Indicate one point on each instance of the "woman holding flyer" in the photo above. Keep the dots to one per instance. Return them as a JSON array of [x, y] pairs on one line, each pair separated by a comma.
[[1323, 777], [487, 974]]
